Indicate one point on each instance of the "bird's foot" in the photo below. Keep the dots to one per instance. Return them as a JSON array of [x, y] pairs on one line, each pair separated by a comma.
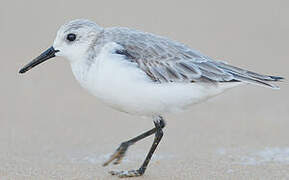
[[124, 174], [118, 154]]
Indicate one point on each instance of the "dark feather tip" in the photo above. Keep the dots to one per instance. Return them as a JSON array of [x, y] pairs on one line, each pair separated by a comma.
[[276, 78]]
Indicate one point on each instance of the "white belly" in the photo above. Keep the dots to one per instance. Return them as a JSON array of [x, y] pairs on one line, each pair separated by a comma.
[[123, 86]]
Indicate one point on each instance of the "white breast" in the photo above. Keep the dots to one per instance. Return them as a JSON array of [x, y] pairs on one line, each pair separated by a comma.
[[122, 85]]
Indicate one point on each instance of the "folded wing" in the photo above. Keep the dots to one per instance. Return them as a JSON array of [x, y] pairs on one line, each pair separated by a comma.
[[167, 61]]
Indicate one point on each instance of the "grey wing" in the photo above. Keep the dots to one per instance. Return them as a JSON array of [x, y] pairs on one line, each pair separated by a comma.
[[168, 61]]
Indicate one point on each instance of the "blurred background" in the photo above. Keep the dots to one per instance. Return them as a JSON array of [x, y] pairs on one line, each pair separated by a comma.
[[50, 128]]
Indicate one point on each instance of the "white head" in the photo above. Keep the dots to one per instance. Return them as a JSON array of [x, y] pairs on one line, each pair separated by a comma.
[[72, 41], [74, 38]]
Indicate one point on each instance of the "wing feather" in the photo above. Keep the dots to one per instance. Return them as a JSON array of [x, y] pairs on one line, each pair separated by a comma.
[[168, 61]]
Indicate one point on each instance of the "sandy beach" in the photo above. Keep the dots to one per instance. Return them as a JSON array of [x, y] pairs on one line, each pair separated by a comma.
[[50, 128]]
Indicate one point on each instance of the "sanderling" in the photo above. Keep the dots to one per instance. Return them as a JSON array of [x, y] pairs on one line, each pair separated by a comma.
[[142, 74]]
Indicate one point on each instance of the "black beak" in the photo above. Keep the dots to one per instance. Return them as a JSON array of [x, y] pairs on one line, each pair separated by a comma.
[[49, 53]]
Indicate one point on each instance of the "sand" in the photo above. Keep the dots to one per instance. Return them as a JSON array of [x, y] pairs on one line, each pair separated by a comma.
[[50, 128]]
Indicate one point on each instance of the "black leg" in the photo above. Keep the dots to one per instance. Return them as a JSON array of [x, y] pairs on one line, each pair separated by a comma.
[[121, 150], [159, 124]]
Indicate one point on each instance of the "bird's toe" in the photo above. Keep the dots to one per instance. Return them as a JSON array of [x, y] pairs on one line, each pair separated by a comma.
[[124, 174]]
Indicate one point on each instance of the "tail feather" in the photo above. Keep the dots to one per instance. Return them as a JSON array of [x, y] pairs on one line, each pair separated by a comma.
[[254, 81], [250, 77], [276, 78]]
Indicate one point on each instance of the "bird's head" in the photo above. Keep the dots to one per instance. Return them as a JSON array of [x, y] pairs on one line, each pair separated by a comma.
[[72, 41]]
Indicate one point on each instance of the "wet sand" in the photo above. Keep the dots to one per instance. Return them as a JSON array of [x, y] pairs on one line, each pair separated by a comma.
[[50, 128]]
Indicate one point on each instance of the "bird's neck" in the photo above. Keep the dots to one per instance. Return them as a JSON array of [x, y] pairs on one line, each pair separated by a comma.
[[81, 65], [80, 70]]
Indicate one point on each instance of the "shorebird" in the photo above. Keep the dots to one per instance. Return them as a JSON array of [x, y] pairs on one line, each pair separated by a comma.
[[142, 74]]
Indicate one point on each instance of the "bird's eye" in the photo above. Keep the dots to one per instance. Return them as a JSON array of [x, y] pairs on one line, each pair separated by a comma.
[[71, 37]]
